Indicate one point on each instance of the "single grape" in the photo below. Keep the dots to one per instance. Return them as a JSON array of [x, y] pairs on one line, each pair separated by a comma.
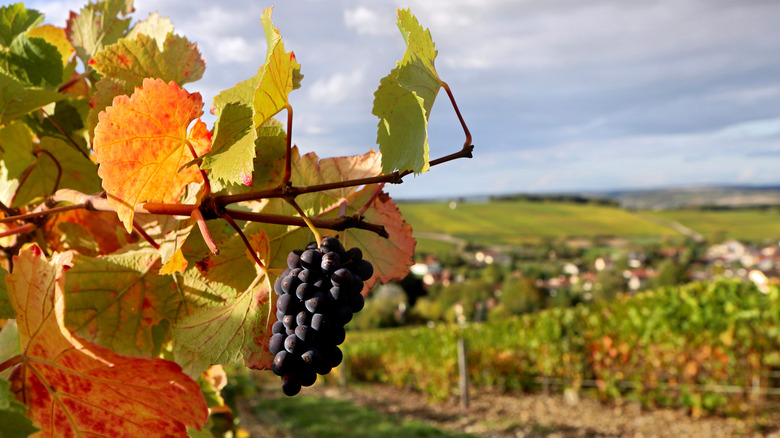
[[336, 293], [283, 363], [305, 291], [343, 314], [336, 335], [306, 334], [341, 277], [303, 318], [357, 302], [277, 343], [312, 245], [356, 286], [311, 258], [289, 283], [317, 303], [283, 303], [294, 258], [292, 344], [319, 322], [312, 357], [330, 262], [331, 244], [278, 286], [291, 386], [289, 322], [365, 269], [278, 327], [336, 356], [309, 275], [354, 255], [307, 376]]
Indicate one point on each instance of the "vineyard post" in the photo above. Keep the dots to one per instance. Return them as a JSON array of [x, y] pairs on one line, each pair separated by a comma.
[[463, 371]]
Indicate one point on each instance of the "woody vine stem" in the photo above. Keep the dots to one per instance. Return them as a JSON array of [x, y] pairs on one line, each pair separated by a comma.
[[214, 207]]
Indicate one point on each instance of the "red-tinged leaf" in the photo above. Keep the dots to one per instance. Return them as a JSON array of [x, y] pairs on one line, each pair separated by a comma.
[[281, 74], [97, 232], [117, 301], [98, 25], [141, 142], [75, 388], [391, 257]]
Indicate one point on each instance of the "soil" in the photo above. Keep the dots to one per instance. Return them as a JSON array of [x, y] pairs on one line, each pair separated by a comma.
[[551, 416]]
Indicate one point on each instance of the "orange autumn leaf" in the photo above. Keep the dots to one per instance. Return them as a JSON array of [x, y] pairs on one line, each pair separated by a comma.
[[141, 143], [75, 388]]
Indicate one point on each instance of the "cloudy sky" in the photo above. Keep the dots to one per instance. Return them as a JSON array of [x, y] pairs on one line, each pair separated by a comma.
[[560, 95]]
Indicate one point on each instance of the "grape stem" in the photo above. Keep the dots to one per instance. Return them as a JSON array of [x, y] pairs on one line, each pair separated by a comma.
[[18, 230], [10, 362], [235, 226]]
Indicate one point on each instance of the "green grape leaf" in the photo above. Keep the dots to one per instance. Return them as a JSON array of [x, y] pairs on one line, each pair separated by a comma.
[[117, 300], [6, 311], [16, 100], [154, 26], [75, 171], [16, 147], [130, 61], [404, 100], [281, 74], [15, 20], [13, 419], [233, 149], [35, 60], [9, 344], [236, 330], [98, 25]]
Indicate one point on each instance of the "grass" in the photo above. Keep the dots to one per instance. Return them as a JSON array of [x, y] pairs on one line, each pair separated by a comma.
[[305, 416], [518, 222], [752, 225]]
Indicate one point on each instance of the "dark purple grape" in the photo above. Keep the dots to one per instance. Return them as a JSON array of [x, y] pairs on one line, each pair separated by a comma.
[[365, 269], [336, 335], [336, 356], [307, 376], [319, 322], [305, 291], [284, 363], [311, 259], [289, 322], [343, 315], [283, 303], [330, 262], [312, 245], [303, 318], [353, 255], [292, 344], [278, 286], [290, 386], [356, 286], [331, 244], [289, 283], [317, 303], [294, 258], [279, 315], [323, 368], [337, 293], [309, 275], [305, 333], [357, 302], [278, 327], [277, 343], [341, 277], [312, 357]]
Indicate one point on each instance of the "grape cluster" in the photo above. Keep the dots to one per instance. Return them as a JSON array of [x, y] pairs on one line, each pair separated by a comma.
[[318, 294]]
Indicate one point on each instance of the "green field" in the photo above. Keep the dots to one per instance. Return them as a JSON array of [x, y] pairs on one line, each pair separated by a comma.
[[518, 222], [753, 225], [522, 222]]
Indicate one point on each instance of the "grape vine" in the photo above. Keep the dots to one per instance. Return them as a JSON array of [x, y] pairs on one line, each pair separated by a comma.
[[114, 311]]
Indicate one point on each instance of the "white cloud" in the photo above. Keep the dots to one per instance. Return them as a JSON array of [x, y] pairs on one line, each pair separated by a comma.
[[367, 21], [336, 88], [236, 49]]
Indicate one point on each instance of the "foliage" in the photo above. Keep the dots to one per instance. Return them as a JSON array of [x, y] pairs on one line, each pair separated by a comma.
[[115, 311], [667, 344]]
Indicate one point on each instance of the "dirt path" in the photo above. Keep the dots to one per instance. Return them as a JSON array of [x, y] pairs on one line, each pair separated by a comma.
[[537, 415]]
